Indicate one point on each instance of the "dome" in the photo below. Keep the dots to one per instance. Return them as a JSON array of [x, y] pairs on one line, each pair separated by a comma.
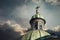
[[37, 16], [35, 35]]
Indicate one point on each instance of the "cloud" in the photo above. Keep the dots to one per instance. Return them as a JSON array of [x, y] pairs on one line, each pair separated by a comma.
[[23, 11], [21, 15], [19, 29], [15, 26], [8, 6], [53, 2], [56, 29], [26, 1], [13, 10], [9, 31], [36, 1]]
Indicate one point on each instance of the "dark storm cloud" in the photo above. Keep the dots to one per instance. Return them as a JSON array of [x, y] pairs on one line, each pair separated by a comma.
[[7, 33], [9, 11], [7, 6], [54, 31], [11, 32], [10, 3]]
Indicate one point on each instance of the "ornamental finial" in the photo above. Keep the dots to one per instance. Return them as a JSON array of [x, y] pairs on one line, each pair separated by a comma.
[[37, 9]]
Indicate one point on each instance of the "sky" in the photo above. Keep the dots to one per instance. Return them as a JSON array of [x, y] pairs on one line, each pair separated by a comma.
[[15, 14], [21, 11]]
